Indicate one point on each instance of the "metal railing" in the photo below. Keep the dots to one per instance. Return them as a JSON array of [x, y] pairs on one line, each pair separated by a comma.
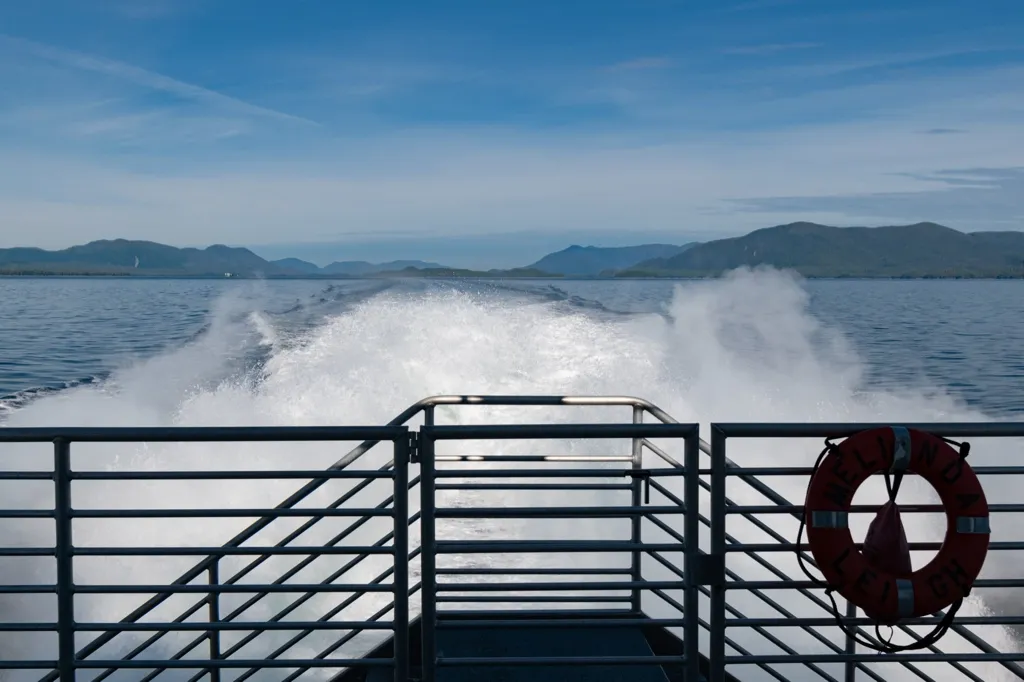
[[599, 584], [219, 582], [124, 652], [819, 630], [294, 605]]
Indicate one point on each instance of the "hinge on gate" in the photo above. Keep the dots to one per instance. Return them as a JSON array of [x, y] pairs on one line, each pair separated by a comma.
[[414, 447]]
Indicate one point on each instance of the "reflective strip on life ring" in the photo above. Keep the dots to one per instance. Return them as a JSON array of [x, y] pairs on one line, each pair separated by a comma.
[[947, 577]]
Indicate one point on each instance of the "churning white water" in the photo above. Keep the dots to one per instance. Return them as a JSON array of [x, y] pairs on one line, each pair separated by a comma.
[[745, 348]]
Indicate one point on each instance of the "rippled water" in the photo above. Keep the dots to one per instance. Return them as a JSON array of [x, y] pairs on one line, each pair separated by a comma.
[[960, 336]]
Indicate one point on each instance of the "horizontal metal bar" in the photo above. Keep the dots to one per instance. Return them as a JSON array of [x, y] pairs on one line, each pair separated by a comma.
[[532, 623], [27, 665], [841, 430], [27, 514], [981, 583], [226, 551], [202, 434], [537, 400], [914, 547], [533, 486], [201, 475], [562, 459], [575, 431], [27, 551], [573, 660], [534, 598], [736, 470], [26, 475], [757, 659], [28, 627], [234, 625], [546, 546], [454, 614], [316, 512], [828, 621], [28, 589], [865, 509], [233, 663], [498, 570], [574, 586], [553, 473], [551, 512], [237, 588]]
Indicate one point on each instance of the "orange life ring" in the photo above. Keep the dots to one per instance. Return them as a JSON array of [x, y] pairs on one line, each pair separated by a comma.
[[949, 576]]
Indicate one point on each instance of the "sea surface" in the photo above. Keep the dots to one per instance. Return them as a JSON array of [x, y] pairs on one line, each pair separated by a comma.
[[961, 338]]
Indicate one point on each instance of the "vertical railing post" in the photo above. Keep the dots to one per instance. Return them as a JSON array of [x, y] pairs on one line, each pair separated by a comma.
[[636, 571], [850, 669], [64, 552], [428, 556], [213, 611], [400, 510], [716, 650], [691, 551]]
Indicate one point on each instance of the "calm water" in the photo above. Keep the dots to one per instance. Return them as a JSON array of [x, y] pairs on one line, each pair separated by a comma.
[[963, 337]]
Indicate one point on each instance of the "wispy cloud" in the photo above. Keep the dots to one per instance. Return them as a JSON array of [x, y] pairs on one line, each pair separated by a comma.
[[148, 79], [770, 48], [971, 199], [642, 64], [944, 131]]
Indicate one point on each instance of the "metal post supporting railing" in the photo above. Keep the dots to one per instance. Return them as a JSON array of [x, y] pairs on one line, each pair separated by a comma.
[[636, 530], [850, 667], [213, 610], [428, 556], [64, 551], [400, 509], [716, 649], [691, 550]]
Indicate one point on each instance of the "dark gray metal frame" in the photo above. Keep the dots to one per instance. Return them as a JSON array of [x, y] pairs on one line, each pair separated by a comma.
[[703, 573], [722, 544]]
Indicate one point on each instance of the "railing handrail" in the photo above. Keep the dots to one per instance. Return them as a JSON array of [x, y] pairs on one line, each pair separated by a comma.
[[371, 436], [197, 434]]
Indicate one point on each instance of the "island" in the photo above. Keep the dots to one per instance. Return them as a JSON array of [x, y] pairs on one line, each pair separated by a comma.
[[921, 250]]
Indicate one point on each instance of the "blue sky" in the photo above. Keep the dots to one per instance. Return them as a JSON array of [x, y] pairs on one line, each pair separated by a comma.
[[491, 131]]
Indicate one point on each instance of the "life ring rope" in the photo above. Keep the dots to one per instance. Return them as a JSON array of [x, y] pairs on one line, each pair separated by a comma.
[[838, 519]]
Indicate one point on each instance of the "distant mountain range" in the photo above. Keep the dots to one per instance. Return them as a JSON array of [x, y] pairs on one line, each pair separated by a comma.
[[588, 261], [920, 250], [126, 257]]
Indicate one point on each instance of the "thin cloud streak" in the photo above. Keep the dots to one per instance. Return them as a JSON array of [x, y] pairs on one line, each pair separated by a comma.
[[147, 79]]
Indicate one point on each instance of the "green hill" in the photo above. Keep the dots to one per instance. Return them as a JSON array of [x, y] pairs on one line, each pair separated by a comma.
[[920, 250], [590, 261], [122, 256]]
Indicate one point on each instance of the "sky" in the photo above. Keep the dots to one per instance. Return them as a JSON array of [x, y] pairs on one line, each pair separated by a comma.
[[490, 132]]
